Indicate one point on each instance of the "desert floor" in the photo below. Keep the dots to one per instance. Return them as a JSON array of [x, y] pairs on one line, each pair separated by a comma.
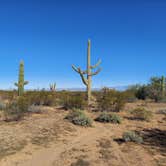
[[46, 139]]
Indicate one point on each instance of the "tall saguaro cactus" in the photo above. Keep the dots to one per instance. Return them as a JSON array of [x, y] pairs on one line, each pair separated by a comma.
[[163, 85], [21, 83], [88, 79]]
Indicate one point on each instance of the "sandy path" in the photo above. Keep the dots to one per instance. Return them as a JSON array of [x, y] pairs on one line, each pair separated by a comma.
[[86, 139], [85, 142], [47, 157]]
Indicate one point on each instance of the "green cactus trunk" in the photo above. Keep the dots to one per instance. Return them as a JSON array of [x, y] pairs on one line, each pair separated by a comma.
[[21, 83], [89, 77], [88, 80], [163, 85]]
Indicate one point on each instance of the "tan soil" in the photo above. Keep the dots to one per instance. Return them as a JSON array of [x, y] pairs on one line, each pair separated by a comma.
[[48, 140]]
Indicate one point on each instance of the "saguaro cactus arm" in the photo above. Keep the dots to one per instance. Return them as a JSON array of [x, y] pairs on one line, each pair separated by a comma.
[[96, 65], [84, 80], [20, 84], [16, 84], [78, 70], [26, 82], [75, 68], [96, 72]]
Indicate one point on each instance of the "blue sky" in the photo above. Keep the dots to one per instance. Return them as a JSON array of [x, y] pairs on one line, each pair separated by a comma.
[[50, 35]]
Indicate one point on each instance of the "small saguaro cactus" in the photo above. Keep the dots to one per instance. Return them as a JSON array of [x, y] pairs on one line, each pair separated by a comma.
[[163, 85], [21, 83], [88, 79], [53, 87]]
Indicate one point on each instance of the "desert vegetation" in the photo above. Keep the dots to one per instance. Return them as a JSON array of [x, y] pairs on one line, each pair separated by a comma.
[[65, 127]]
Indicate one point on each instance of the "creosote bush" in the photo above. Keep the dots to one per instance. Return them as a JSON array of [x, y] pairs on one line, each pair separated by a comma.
[[45, 98], [78, 117], [73, 100], [162, 112], [81, 162], [131, 136], [142, 114], [15, 110], [2, 105], [110, 100], [109, 118], [35, 109]]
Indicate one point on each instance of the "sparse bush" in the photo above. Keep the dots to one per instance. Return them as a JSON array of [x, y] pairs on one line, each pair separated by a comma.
[[142, 92], [35, 109], [43, 97], [142, 114], [81, 162], [104, 117], [131, 136], [108, 118], [111, 100], [8, 95], [162, 112], [78, 117], [74, 113], [73, 101], [16, 109], [115, 118], [130, 93], [2, 105]]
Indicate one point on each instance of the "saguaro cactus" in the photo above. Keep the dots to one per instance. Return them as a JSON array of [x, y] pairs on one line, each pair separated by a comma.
[[88, 79], [53, 87], [163, 85], [21, 83]]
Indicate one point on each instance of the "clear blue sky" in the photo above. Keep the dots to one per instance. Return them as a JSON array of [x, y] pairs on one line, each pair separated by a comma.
[[50, 35]]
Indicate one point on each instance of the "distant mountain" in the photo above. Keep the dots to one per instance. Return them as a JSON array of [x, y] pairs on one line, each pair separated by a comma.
[[120, 88]]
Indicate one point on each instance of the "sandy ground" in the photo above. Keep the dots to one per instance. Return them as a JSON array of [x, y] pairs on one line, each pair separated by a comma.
[[48, 140]]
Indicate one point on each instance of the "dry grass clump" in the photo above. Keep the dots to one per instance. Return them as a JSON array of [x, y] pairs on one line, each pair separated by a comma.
[[142, 114], [81, 162], [78, 117], [131, 136], [109, 118]]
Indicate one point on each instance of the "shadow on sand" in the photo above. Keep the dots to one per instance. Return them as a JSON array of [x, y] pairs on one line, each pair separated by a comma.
[[155, 138]]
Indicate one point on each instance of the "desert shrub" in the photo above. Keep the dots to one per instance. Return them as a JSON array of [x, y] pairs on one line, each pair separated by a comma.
[[162, 112], [152, 90], [111, 100], [74, 113], [43, 97], [130, 93], [142, 92], [155, 89], [15, 110], [142, 114], [73, 101], [81, 162], [131, 136], [78, 117], [106, 118], [35, 109], [8, 95], [2, 105]]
